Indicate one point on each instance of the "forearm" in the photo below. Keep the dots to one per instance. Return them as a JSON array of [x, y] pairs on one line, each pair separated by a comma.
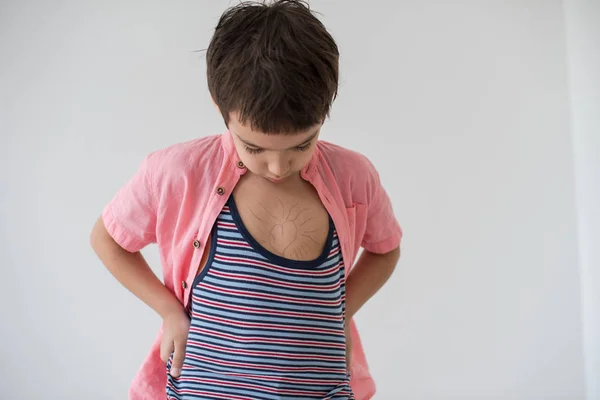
[[133, 272], [368, 276]]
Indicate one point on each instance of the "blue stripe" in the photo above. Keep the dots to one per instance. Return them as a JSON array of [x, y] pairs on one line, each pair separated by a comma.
[[272, 304]]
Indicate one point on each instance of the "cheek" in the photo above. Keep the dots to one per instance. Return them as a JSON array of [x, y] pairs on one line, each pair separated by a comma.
[[249, 160], [253, 163], [301, 159]]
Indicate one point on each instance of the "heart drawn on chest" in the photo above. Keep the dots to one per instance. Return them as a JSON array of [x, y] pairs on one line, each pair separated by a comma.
[[283, 235]]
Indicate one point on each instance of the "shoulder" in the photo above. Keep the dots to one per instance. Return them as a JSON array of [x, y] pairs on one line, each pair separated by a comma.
[[336, 153], [352, 170], [187, 161], [186, 154]]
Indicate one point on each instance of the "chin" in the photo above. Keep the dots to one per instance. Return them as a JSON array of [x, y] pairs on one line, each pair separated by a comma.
[[276, 180]]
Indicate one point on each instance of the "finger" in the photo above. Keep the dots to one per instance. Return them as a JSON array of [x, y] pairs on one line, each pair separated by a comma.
[[178, 358], [166, 349]]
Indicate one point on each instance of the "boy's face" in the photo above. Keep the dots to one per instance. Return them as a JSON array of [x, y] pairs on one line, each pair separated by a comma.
[[273, 157]]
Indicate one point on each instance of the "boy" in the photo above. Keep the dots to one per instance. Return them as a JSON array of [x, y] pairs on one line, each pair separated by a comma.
[[257, 228]]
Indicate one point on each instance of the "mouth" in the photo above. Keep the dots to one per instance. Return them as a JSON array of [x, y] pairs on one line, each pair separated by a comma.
[[275, 180]]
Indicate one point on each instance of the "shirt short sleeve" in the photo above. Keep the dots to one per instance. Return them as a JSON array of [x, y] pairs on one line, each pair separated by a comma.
[[130, 217], [383, 233]]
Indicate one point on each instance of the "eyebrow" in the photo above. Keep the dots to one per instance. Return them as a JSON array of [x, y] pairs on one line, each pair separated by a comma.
[[298, 145]]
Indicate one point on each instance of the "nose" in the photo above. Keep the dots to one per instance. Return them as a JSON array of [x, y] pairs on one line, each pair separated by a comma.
[[279, 166]]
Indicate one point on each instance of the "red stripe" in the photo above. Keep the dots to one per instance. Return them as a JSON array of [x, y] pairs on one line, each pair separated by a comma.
[[249, 278], [221, 363], [270, 378], [212, 394], [278, 354], [264, 326], [271, 311], [267, 389], [260, 340], [234, 243], [223, 224], [263, 296], [291, 271]]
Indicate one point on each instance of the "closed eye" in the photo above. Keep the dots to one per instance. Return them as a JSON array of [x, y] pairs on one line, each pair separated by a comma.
[[252, 150], [304, 147]]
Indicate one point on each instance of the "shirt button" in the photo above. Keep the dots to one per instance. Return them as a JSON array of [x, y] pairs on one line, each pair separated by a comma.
[[196, 244], [240, 164], [220, 191], [184, 284]]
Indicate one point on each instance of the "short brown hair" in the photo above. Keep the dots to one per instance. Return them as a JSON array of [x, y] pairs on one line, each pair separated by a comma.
[[273, 64]]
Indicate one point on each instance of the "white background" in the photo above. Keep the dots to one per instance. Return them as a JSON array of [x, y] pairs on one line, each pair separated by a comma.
[[482, 117], [583, 43]]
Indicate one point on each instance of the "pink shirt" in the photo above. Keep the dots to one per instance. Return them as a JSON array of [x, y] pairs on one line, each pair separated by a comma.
[[178, 192]]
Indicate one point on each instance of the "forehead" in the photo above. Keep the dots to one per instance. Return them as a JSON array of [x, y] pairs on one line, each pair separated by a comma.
[[246, 135]]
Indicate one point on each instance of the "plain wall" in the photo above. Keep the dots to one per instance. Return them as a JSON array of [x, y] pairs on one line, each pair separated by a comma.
[[463, 106], [583, 51]]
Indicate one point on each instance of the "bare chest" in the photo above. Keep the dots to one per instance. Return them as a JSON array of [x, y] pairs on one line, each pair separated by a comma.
[[287, 219]]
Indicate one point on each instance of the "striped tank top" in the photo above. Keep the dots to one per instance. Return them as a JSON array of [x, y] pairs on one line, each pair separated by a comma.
[[264, 327]]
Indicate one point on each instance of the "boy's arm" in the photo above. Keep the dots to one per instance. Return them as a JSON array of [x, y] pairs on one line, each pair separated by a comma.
[[368, 275], [380, 242], [133, 272], [127, 225]]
